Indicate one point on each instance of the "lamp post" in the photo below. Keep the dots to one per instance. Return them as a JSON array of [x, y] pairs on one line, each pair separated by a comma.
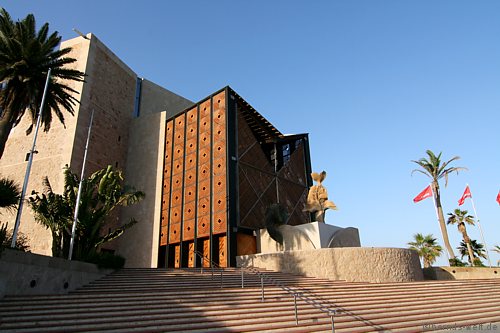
[[30, 162]]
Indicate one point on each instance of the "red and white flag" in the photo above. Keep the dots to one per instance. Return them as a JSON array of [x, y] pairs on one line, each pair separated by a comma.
[[466, 195], [423, 195], [498, 197]]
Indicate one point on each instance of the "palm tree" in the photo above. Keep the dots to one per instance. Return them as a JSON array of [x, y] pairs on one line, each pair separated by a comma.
[[10, 193], [460, 218], [433, 168], [102, 192], [427, 248], [54, 212], [25, 58], [497, 250], [477, 250]]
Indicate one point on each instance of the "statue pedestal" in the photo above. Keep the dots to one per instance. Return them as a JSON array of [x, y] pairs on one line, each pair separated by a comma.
[[309, 236]]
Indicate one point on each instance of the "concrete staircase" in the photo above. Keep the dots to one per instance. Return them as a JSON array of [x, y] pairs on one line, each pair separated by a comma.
[[164, 300]]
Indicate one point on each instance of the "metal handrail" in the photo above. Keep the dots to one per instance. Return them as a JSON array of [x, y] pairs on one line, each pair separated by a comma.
[[212, 265], [295, 292]]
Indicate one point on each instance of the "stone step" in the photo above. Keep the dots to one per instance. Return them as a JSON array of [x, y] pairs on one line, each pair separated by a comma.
[[155, 300]]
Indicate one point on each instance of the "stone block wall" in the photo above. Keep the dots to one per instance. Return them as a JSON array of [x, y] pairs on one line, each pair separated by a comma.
[[357, 264]]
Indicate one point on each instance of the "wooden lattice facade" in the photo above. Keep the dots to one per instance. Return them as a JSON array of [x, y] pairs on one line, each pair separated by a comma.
[[224, 164]]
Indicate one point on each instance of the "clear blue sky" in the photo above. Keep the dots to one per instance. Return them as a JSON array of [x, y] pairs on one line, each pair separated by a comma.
[[375, 83]]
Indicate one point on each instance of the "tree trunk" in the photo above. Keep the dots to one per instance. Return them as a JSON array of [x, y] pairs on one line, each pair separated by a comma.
[[442, 224], [5, 128], [469, 246]]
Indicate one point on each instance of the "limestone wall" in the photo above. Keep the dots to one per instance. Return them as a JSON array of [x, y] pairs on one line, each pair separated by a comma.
[[351, 264], [31, 274], [139, 245], [461, 273], [54, 151]]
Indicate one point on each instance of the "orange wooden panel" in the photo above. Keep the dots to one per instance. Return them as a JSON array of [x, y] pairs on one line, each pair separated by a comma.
[[219, 149], [180, 122], [168, 150], [178, 167], [219, 101], [204, 171], [175, 214], [190, 163], [165, 201], [190, 178], [203, 206], [220, 116], [191, 132], [167, 174], [204, 188], [204, 139], [220, 204], [220, 225], [192, 116], [177, 256], [219, 167], [222, 252], [219, 133], [168, 138], [219, 186], [206, 252], [176, 182], [203, 226], [205, 125], [205, 108], [164, 217], [176, 198], [204, 155], [190, 193], [188, 230], [178, 152], [245, 244], [191, 254], [189, 210], [191, 146], [163, 235], [175, 233], [170, 126]]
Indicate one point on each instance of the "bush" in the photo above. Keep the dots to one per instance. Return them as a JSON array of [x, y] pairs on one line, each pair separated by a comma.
[[478, 263], [457, 263], [6, 239], [3, 237], [105, 260]]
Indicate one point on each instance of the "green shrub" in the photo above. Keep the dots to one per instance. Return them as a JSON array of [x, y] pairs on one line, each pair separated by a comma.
[[6, 239], [3, 236], [478, 262], [457, 262]]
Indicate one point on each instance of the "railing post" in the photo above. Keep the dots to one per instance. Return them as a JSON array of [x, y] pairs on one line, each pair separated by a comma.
[[332, 313], [242, 281], [296, 313], [262, 287], [212, 270], [221, 277]]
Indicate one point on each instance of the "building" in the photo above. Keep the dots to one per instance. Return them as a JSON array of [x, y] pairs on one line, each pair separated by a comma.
[[209, 169]]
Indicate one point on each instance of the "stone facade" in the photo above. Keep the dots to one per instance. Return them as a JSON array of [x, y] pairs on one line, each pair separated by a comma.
[[356, 264], [111, 90]]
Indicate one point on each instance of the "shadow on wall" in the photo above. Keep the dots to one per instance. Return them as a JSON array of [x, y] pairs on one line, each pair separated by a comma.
[[437, 273], [139, 244]]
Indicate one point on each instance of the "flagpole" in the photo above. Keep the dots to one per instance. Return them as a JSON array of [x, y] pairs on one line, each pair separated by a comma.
[[77, 203], [30, 162], [437, 215], [480, 230]]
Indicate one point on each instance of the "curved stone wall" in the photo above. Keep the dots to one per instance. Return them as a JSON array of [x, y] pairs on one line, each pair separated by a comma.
[[353, 264]]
